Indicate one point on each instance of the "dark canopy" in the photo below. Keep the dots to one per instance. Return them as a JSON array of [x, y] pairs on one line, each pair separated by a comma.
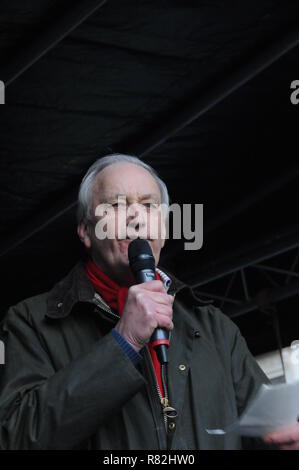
[[201, 91]]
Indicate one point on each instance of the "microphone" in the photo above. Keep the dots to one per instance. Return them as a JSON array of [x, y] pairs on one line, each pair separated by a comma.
[[142, 264]]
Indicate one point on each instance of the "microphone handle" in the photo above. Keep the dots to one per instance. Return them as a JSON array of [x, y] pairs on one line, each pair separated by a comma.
[[160, 337]]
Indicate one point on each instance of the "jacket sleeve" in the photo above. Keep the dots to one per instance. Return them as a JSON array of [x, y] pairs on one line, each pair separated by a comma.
[[246, 373], [247, 379], [41, 408]]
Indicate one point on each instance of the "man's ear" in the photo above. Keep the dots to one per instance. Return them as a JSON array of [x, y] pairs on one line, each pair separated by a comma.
[[83, 233]]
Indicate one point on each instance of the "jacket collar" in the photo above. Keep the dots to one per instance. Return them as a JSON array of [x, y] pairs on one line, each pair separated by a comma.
[[76, 287]]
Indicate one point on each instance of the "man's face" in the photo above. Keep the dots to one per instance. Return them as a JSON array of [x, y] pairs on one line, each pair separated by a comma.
[[135, 189]]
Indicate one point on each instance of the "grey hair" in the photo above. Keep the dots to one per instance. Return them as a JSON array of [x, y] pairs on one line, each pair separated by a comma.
[[86, 187]]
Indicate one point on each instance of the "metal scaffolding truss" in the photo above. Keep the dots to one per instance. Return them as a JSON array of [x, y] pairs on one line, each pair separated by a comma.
[[240, 268]]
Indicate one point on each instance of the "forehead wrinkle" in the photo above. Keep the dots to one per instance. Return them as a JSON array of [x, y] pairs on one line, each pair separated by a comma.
[[102, 191]]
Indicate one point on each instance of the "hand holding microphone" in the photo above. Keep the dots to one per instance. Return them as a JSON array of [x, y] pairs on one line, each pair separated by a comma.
[[148, 310]]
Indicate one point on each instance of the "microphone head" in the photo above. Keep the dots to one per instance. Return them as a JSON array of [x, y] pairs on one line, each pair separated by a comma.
[[140, 255]]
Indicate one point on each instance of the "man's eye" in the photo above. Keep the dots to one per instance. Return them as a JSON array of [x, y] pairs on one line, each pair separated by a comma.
[[150, 205]]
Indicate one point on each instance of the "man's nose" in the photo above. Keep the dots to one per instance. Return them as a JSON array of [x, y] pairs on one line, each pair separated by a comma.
[[136, 212], [136, 217]]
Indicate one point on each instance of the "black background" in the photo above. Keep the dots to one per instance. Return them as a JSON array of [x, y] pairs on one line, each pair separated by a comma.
[[116, 80]]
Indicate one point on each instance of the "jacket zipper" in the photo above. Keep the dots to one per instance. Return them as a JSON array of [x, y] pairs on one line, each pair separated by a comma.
[[100, 303], [167, 410]]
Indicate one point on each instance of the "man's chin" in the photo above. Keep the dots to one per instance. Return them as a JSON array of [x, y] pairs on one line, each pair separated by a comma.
[[123, 246]]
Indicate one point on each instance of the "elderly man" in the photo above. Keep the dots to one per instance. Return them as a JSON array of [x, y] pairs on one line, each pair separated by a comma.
[[80, 371]]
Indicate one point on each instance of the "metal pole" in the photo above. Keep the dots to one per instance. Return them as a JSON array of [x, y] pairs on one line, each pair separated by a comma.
[[37, 224], [281, 244], [222, 87], [261, 193], [274, 295], [63, 26], [276, 270]]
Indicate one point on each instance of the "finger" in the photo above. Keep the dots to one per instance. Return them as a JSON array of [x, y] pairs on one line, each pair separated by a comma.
[[160, 298], [156, 286], [153, 301], [289, 446], [284, 436], [164, 310], [164, 322]]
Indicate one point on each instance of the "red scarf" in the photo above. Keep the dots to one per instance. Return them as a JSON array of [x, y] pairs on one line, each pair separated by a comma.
[[116, 296]]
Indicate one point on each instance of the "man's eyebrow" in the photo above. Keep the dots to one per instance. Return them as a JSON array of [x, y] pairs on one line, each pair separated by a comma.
[[111, 196], [150, 196], [114, 197]]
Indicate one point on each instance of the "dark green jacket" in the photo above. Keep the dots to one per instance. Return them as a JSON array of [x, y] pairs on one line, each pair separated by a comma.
[[67, 384]]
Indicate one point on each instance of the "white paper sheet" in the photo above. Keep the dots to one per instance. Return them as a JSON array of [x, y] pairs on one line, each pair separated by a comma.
[[274, 407]]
